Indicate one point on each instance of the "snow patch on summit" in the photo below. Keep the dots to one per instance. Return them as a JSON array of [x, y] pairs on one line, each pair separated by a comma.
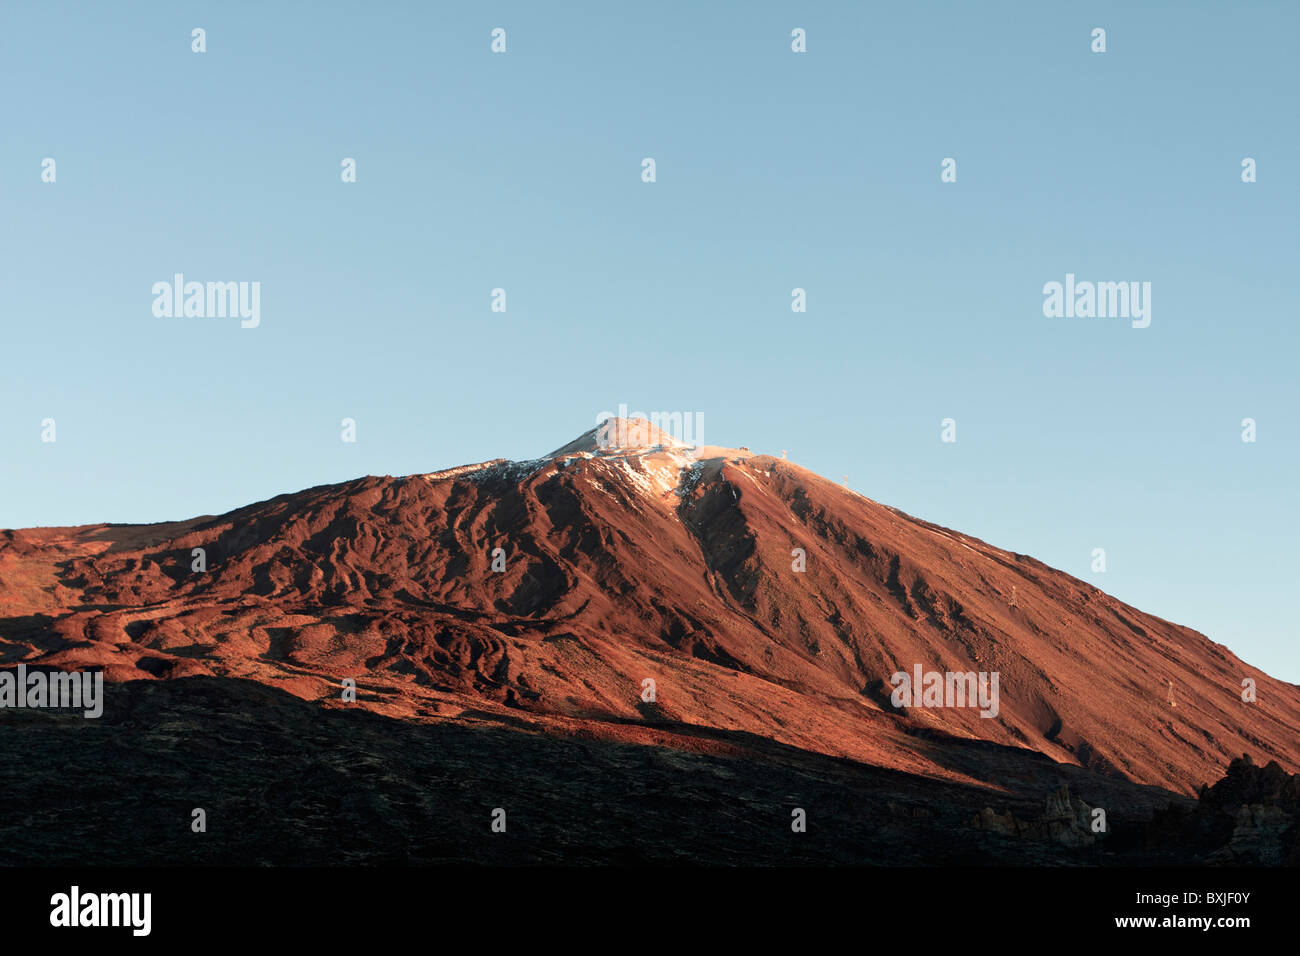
[[461, 470], [515, 471], [654, 474]]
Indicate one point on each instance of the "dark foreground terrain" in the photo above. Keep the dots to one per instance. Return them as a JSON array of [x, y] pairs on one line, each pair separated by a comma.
[[286, 782]]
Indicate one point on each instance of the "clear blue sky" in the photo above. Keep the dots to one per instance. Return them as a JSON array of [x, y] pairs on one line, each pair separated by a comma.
[[775, 170]]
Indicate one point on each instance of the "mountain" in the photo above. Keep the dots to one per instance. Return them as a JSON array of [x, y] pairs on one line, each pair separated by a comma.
[[625, 556]]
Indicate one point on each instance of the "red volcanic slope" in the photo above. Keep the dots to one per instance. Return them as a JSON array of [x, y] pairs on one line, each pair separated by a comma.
[[639, 562]]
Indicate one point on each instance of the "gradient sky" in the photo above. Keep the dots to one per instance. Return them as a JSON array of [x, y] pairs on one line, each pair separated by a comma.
[[775, 170]]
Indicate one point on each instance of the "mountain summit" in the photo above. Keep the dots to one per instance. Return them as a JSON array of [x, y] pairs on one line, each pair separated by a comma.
[[622, 435]]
